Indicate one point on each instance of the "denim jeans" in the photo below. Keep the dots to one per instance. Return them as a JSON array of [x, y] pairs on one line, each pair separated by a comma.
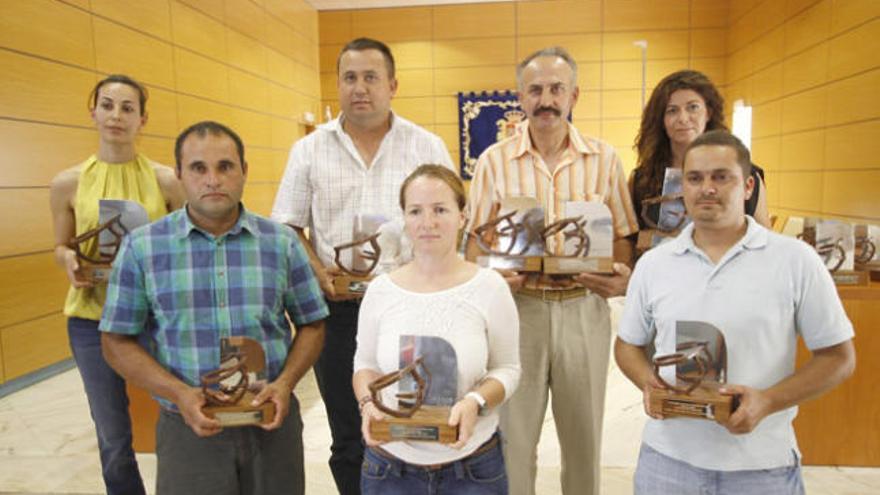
[[108, 403], [660, 474], [333, 372], [481, 474]]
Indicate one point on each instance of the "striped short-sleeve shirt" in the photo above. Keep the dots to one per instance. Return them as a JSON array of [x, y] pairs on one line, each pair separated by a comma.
[[187, 289], [590, 170]]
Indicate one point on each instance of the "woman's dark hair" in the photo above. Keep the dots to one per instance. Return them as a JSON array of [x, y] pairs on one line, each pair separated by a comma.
[[652, 142], [143, 95]]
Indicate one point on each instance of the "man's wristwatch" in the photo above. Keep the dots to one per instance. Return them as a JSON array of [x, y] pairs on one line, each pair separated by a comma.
[[480, 400]]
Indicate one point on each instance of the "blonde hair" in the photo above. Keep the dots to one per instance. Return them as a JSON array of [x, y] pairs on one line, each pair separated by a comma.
[[440, 173]]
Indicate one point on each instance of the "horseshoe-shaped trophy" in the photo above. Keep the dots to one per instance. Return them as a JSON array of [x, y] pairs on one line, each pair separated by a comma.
[[96, 268], [355, 280], [838, 245], [511, 239], [867, 259], [230, 388], [665, 214], [424, 398], [582, 241], [700, 361]]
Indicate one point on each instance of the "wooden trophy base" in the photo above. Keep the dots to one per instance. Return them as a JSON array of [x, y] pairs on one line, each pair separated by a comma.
[[851, 278], [243, 413], [516, 263], [873, 269], [99, 273], [704, 402], [348, 285], [428, 424], [560, 265]]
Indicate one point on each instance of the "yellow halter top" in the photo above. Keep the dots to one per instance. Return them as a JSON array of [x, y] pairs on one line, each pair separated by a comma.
[[134, 181]]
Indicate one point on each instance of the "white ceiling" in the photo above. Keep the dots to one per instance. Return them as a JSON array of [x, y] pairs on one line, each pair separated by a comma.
[[376, 4]]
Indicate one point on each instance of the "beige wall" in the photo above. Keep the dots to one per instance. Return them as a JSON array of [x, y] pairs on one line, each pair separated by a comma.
[[811, 70], [446, 49], [251, 64]]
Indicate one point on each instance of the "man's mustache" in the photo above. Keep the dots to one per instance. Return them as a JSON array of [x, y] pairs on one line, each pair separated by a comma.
[[540, 110]]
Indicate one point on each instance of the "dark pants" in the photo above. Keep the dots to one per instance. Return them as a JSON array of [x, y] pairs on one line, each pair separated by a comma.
[[480, 474], [108, 404], [333, 372], [237, 461]]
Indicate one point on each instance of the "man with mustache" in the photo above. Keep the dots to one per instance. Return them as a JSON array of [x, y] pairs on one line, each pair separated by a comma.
[[565, 329], [761, 290], [351, 165], [206, 272]]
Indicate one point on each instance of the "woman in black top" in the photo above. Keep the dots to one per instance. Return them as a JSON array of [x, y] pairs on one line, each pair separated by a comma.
[[682, 106]]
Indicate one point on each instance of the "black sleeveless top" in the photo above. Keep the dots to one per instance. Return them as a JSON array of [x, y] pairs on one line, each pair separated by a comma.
[[654, 210]]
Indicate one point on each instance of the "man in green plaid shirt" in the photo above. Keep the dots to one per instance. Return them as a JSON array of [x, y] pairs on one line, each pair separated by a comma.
[[204, 273]]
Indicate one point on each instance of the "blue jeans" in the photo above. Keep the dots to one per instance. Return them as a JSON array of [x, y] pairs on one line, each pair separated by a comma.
[[108, 403], [660, 474], [481, 474]]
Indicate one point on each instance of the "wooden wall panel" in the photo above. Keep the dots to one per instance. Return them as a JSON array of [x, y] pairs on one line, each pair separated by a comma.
[[33, 345], [36, 287], [811, 74], [251, 65]]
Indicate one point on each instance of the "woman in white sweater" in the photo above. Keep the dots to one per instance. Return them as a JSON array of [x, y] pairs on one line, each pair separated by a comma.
[[439, 294]]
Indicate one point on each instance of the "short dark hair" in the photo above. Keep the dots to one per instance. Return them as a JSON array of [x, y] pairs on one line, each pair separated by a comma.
[[202, 129], [719, 137], [143, 95], [361, 44]]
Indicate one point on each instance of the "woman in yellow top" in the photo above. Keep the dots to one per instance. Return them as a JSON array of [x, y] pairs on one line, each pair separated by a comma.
[[116, 171]]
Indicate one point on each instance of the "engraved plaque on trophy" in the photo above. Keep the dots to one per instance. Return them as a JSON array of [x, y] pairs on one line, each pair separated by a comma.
[[512, 239], [587, 237], [230, 389], [359, 258], [116, 218], [427, 386], [668, 209], [700, 361]]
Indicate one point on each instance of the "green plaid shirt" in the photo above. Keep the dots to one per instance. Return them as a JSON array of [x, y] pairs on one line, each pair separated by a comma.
[[187, 289]]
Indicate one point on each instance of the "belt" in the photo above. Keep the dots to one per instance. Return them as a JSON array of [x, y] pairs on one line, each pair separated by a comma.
[[482, 449], [553, 294]]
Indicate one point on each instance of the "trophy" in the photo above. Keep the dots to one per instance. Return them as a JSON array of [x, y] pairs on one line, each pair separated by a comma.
[[424, 398], [587, 240], [116, 219], [668, 209], [835, 242], [866, 256], [365, 252], [700, 361], [230, 389], [512, 239]]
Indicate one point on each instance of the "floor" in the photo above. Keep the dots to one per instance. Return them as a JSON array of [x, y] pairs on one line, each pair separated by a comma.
[[47, 444]]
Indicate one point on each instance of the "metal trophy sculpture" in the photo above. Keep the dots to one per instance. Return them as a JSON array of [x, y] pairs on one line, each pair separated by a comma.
[[512, 239], [116, 219], [867, 258], [587, 240], [359, 258], [424, 398], [835, 242], [230, 389], [668, 209], [700, 361]]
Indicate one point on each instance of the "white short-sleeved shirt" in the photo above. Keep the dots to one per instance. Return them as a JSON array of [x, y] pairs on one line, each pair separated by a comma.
[[479, 320], [765, 291], [326, 183]]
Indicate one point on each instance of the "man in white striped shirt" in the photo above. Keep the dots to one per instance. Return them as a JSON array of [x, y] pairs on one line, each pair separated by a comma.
[[565, 331], [353, 165]]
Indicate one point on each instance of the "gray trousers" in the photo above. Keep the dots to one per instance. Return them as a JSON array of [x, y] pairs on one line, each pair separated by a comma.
[[564, 350], [237, 461]]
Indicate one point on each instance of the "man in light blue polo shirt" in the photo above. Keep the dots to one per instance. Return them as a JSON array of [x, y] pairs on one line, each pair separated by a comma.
[[761, 290]]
